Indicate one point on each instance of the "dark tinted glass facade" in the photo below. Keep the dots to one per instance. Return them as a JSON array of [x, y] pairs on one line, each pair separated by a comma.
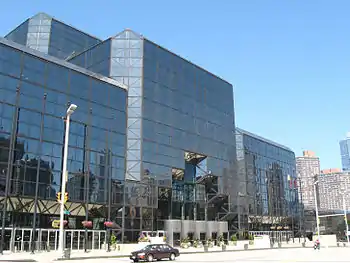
[[35, 91], [45, 34], [185, 110], [180, 127], [268, 170]]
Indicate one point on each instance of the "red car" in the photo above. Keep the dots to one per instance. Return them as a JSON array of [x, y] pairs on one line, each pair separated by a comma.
[[152, 252]]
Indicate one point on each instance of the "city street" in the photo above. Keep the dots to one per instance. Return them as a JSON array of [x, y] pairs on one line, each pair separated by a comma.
[[282, 255]]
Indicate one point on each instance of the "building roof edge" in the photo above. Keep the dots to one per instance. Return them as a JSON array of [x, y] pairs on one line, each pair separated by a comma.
[[61, 62], [263, 139]]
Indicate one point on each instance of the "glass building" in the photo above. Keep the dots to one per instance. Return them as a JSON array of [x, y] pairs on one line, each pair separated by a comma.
[[267, 173], [181, 141], [345, 153], [35, 91], [50, 36], [156, 154]]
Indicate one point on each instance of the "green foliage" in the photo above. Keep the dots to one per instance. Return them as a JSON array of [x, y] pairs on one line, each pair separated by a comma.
[[233, 238], [113, 239], [196, 242], [185, 240], [251, 237]]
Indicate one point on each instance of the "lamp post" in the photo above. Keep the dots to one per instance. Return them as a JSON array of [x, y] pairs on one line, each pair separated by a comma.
[[70, 111], [290, 203], [239, 212], [300, 207], [316, 210]]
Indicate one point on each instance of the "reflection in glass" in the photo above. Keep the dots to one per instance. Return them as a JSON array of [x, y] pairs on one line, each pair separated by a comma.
[[97, 142]]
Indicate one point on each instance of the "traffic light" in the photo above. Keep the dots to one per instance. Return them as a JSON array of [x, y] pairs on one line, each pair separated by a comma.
[[58, 197]]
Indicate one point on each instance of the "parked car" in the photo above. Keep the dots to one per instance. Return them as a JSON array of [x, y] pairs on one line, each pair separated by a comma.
[[154, 251]]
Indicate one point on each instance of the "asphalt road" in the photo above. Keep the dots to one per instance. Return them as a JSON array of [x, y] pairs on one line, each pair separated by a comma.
[[283, 255], [341, 254]]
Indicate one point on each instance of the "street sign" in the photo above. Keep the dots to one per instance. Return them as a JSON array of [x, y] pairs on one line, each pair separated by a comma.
[[66, 212]]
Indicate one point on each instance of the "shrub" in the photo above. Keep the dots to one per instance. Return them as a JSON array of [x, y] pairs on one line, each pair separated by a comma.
[[113, 239]]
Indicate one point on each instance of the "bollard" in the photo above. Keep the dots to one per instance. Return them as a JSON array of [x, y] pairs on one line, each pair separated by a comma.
[[223, 247], [245, 246], [205, 248], [279, 244], [67, 253]]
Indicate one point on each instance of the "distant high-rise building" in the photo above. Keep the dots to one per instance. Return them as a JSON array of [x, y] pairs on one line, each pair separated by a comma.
[[332, 187], [308, 166], [345, 152]]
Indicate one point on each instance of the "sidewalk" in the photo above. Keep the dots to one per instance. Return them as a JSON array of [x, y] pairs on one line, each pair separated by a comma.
[[80, 255]]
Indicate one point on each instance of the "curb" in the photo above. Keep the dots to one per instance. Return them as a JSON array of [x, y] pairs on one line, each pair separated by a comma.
[[18, 260], [184, 253]]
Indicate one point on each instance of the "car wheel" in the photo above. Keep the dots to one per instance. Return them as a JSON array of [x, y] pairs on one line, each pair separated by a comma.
[[172, 256], [150, 258], [136, 260]]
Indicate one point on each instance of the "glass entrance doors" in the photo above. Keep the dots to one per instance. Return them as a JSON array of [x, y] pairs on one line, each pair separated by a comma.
[[20, 239]]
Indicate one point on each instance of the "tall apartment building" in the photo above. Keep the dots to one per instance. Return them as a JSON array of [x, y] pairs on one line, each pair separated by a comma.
[[345, 153], [332, 187], [308, 166]]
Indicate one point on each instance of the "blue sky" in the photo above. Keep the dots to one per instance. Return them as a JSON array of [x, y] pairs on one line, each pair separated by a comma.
[[289, 61]]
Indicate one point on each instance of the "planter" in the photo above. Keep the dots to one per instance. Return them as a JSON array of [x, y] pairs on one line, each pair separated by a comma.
[[110, 224], [197, 244], [87, 224], [232, 243], [245, 246], [223, 247], [279, 244], [146, 242], [184, 245], [56, 223]]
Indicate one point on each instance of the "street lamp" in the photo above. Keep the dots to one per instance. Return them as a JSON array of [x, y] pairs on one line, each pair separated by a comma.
[[301, 209], [316, 210], [290, 202], [70, 111]]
